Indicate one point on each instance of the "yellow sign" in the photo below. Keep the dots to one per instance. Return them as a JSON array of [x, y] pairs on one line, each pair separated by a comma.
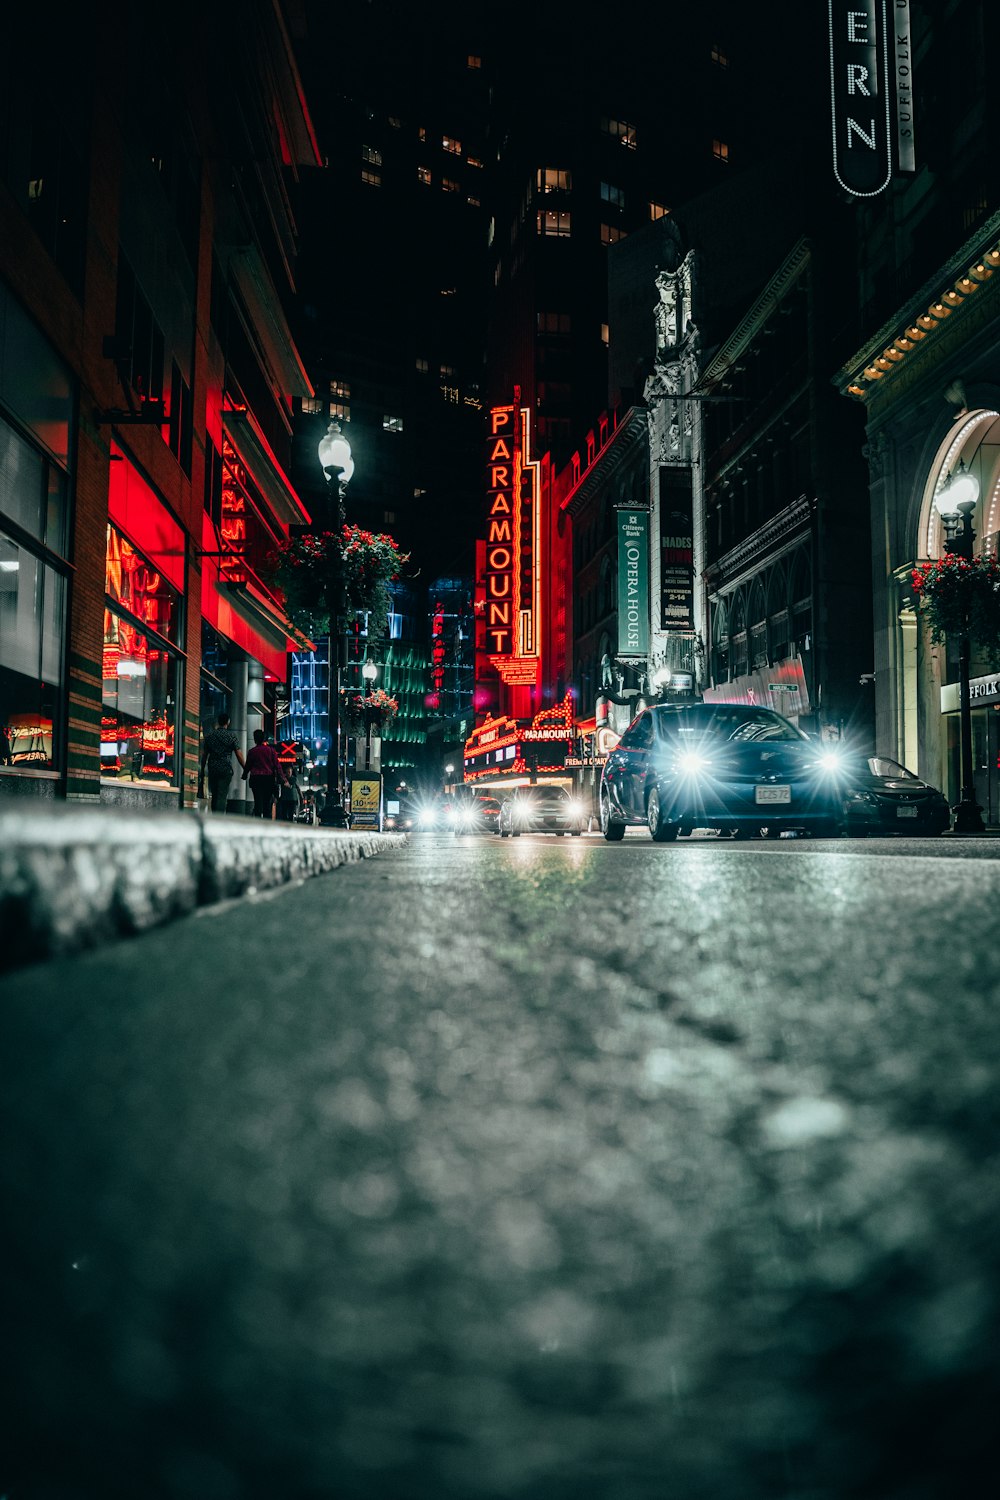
[[364, 796]]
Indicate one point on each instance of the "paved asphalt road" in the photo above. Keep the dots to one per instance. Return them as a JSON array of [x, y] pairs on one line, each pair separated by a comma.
[[528, 1170]]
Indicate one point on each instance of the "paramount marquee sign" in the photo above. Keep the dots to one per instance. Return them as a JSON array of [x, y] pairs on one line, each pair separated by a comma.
[[513, 564], [861, 93]]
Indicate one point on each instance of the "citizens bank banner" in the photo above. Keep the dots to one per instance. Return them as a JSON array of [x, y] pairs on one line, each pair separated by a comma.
[[633, 583]]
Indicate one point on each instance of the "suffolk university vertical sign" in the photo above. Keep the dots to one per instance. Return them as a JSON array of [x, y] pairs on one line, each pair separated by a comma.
[[633, 583], [861, 95]]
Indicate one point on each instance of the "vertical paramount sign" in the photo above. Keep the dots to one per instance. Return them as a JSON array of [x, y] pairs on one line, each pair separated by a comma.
[[512, 545], [860, 95]]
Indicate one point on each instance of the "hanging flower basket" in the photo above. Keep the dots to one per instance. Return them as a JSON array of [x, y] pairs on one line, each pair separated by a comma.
[[958, 596], [308, 570], [375, 707]]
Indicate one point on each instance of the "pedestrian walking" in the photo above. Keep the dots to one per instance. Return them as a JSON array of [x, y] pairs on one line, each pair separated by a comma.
[[263, 771], [221, 745], [289, 799]]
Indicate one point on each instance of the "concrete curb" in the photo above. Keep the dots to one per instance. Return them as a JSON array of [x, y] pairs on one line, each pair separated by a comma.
[[73, 878]]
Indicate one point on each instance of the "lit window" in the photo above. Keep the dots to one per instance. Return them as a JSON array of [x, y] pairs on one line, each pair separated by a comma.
[[658, 210], [474, 202], [448, 291], [340, 388], [473, 62], [620, 130], [449, 143], [473, 161], [720, 151], [554, 180], [422, 365], [554, 322], [611, 234], [340, 410], [719, 57], [421, 133], [312, 405], [417, 493], [424, 176], [612, 195], [373, 179], [449, 185], [392, 424], [605, 335], [369, 153], [553, 222], [388, 517], [447, 370]]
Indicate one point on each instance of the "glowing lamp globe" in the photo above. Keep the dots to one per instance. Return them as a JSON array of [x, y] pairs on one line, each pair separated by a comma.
[[335, 452], [960, 493]]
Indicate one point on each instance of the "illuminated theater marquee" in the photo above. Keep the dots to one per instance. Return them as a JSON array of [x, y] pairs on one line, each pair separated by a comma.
[[512, 552]]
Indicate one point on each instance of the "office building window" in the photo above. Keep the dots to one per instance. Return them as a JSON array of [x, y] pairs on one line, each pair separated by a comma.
[[554, 322], [553, 180], [340, 389], [340, 410], [370, 154], [447, 370], [421, 133], [451, 145], [613, 195], [474, 161], [620, 130], [719, 57], [610, 234], [424, 176], [312, 405], [720, 151], [605, 334], [422, 365], [472, 61], [373, 179], [474, 202], [658, 210], [449, 185], [550, 221], [392, 424]]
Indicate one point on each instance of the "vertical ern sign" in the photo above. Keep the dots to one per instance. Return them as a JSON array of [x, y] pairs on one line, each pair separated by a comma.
[[633, 583], [860, 96]]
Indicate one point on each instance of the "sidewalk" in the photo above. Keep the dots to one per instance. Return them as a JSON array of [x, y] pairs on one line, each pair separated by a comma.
[[73, 877]]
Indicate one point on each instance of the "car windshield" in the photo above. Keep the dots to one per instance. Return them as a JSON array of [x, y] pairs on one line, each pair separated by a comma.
[[545, 793], [728, 722], [880, 765]]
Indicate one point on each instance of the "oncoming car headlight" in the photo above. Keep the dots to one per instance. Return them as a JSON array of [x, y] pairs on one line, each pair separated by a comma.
[[690, 763], [574, 808], [831, 761]]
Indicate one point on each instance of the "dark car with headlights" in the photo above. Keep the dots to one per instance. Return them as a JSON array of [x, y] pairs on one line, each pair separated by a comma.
[[541, 809], [728, 766], [479, 814], [881, 796]]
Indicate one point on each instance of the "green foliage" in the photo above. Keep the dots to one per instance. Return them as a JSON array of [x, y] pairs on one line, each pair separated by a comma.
[[956, 596], [309, 570]]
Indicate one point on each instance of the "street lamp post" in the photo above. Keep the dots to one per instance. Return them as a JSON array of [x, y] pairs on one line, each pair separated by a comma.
[[338, 466], [955, 504]]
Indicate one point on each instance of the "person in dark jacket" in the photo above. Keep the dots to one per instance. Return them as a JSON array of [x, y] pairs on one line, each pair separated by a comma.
[[289, 798], [221, 745], [263, 771]]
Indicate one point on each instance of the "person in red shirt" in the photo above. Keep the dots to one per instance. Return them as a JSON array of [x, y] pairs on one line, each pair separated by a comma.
[[263, 771]]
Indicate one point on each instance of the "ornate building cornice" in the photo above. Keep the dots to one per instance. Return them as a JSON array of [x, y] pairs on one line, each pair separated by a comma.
[[618, 448], [746, 330], [946, 299], [765, 541]]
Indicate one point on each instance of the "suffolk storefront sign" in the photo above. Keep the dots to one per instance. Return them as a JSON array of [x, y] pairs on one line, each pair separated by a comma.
[[860, 95], [676, 550], [981, 690], [512, 572], [633, 583]]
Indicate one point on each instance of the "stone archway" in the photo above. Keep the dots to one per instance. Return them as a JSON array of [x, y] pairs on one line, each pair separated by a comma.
[[974, 440]]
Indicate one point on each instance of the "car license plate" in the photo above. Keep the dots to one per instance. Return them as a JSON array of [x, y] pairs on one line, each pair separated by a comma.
[[906, 812], [771, 794]]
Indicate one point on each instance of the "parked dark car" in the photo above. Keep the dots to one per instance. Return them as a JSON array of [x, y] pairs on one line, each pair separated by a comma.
[[476, 815], [738, 769], [881, 796], [541, 809]]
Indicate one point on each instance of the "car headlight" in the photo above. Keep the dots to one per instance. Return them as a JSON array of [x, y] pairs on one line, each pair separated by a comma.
[[831, 762], [690, 763], [426, 817], [575, 809], [522, 814], [464, 815]]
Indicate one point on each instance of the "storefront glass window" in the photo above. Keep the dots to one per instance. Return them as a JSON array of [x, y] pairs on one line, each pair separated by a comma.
[[140, 671], [32, 615]]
